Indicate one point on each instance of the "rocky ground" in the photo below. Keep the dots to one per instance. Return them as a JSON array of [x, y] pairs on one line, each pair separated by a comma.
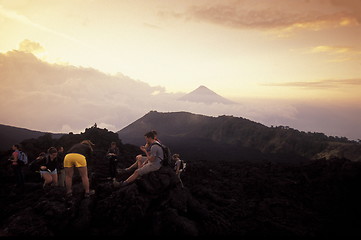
[[316, 198]]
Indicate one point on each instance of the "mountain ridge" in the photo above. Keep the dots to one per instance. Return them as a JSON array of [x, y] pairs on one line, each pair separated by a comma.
[[10, 135], [237, 137]]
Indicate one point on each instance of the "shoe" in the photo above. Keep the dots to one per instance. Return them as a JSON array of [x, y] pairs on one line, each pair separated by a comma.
[[68, 196], [46, 188], [116, 183], [122, 171], [90, 193], [119, 184]]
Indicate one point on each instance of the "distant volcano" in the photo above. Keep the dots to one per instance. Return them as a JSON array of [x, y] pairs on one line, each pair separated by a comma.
[[204, 95]]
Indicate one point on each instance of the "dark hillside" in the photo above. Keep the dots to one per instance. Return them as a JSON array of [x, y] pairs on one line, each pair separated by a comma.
[[13, 135], [221, 198], [237, 138]]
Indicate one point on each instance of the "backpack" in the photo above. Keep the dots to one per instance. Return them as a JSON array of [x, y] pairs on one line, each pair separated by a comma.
[[182, 166], [167, 156], [23, 157]]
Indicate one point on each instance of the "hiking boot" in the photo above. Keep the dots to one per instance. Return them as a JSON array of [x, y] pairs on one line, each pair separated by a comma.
[[90, 193], [122, 171], [68, 196], [119, 184], [46, 188]]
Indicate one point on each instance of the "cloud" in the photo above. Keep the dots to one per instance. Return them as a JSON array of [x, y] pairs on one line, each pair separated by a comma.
[[30, 46], [332, 118], [58, 98], [353, 6], [55, 97], [63, 98], [337, 53], [332, 49], [8, 13], [280, 16], [322, 84]]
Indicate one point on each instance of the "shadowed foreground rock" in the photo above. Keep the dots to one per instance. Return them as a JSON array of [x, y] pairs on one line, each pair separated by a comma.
[[155, 204], [316, 198]]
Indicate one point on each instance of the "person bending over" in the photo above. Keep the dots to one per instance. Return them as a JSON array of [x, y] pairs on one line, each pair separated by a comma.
[[77, 156]]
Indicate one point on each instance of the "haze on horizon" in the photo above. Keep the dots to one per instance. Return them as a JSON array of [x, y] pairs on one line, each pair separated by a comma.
[[68, 64]]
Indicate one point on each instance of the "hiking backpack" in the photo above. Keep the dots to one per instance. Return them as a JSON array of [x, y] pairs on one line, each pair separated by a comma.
[[23, 157], [167, 156], [182, 165]]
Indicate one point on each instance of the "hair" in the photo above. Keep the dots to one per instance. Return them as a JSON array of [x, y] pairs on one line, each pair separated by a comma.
[[89, 143], [154, 132], [176, 155], [42, 154], [17, 146], [150, 135], [52, 150]]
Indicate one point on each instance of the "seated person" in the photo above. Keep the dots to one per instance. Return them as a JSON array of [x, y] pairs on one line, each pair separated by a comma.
[[151, 163]]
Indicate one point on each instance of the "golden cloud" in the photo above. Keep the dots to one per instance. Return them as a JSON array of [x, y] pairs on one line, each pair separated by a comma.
[[338, 53], [30, 46], [322, 84], [280, 16]]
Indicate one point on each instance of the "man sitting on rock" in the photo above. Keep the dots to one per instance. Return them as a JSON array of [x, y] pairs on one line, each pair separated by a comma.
[[153, 162]]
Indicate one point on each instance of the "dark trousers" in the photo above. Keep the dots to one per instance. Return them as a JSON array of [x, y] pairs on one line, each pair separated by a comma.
[[18, 171], [113, 162]]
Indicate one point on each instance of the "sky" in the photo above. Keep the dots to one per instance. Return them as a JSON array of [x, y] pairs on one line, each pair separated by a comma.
[[77, 62]]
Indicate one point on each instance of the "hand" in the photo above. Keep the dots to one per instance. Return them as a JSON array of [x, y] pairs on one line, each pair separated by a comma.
[[43, 168]]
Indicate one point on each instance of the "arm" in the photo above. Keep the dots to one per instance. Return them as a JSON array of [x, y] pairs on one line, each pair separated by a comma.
[[150, 158], [42, 164], [177, 165], [14, 159]]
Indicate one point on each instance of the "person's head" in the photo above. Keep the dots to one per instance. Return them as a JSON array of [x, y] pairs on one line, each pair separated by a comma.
[[60, 149], [149, 137], [113, 145], [89, 143], [16, 147], [53, 153], [42, 155], [155, 134], [175, 156]]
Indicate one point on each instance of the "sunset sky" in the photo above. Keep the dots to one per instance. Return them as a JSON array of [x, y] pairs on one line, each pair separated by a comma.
[[281, 49]]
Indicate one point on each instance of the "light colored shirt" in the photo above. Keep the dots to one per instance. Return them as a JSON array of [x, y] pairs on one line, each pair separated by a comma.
[[157, 152]]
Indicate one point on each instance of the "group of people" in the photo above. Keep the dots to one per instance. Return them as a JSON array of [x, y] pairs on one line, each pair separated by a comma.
[[57, 168]]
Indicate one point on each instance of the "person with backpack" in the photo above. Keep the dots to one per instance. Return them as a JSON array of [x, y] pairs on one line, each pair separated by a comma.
[[17, 165], [153, 161], [48, 168], [141, 160], [179, 166], [77, 156]]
